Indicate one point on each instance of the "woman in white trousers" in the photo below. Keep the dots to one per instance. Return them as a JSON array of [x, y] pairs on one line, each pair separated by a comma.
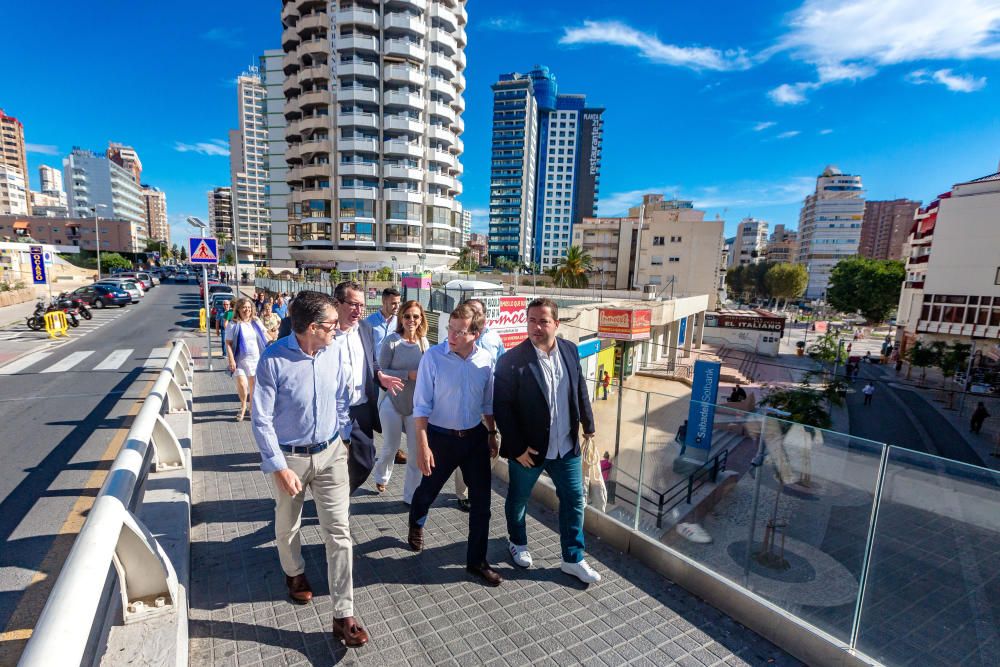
[[400, 356]]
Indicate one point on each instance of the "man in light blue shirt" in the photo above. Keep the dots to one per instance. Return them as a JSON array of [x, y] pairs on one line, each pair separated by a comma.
[[383, 321], [452, 398], [302, 427]]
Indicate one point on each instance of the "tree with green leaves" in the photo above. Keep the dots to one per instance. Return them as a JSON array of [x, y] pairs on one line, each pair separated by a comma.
[[922, 356], [184, 254], [112, 261], [175, 251], [786, 281], [806, 403], [953, 358], [466, 261], [572, 269], [825, 349], [867, 286]]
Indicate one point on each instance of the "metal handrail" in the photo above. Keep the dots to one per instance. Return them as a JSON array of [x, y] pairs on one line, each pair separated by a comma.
[[113, 535]]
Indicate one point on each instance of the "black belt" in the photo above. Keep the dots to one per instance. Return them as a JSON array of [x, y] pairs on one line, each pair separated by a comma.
[[307, 449], [453, 432]]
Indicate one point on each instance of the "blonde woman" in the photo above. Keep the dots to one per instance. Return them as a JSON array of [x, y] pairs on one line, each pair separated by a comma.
[[246, 338], [400, 356]]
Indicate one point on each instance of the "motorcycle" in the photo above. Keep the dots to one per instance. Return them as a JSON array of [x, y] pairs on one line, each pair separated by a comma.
[[36, 321], [75, 302]]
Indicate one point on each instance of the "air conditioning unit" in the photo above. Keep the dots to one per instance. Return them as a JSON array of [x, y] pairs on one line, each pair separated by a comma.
[[649, 292]]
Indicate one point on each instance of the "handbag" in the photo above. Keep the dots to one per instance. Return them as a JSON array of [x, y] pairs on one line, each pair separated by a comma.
[[593, 481]]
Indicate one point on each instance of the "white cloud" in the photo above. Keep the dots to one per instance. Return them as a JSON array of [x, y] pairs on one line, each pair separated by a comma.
[[512, 24], [849, 40], [763, 125], [41, 149], [956, 83], [213, 147], [737, 194], [789, 134], [620, 34], [826, 131]]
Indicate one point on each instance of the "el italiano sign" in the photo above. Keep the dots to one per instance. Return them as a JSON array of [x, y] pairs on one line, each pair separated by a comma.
[[624, 324]]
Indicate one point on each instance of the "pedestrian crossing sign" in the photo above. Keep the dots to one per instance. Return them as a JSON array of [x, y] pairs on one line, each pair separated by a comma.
[[203, 251]]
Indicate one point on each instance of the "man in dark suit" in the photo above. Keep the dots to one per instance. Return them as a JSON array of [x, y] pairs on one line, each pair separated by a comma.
[[540, 400], [359, 348]]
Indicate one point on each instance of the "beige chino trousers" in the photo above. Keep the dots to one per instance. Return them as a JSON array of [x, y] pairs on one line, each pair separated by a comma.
[[325, 475]]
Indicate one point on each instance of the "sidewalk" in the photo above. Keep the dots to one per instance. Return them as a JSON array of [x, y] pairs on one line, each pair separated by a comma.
[[420, 609]]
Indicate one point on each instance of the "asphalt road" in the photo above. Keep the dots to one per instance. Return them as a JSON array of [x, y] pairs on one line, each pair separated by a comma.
[[63, 416]]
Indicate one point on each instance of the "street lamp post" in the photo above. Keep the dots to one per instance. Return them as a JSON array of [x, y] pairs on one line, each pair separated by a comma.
[[199, 224], [97, 231]]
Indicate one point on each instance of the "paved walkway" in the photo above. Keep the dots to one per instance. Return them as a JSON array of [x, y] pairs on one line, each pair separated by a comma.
[[421, 609]]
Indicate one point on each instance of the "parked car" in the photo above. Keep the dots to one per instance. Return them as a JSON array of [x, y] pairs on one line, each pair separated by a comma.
[[221, 289], [141, 277], [100, 296], [133, 288], [201, 286], [215, 306]]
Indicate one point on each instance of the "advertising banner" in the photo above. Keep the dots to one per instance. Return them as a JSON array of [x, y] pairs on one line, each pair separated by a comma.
[[37, 265], [622, 324], [507, 316], [701, 414], [417, 280]]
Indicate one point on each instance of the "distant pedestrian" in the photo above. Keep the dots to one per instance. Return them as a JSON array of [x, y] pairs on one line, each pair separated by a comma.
[[246, 339], [605, 383], [280, 308], [978, 417], [868, 391], [606, 466], [383, 320], [738, 394]]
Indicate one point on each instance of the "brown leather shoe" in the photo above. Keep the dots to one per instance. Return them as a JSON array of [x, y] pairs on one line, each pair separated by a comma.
[[400, 458], [489, 576], [299, 590], [348, 631], [380, 488], [416, 538]]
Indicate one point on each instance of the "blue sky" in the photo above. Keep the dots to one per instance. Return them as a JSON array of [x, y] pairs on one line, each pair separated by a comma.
[[736, 105]]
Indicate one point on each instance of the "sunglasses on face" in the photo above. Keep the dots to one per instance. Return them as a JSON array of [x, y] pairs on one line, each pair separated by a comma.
[[411, 316]]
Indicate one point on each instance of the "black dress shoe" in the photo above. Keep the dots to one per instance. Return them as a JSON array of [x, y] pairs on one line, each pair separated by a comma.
[[489, 576], [416, 538], [464, 504]]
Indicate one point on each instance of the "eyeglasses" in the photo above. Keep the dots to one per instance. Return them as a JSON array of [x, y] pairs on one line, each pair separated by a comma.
[[463, 332], [354, 305], [325, 329], [412, 316]]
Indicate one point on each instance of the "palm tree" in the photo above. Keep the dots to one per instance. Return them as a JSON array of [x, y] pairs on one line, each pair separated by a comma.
[[572, 268]]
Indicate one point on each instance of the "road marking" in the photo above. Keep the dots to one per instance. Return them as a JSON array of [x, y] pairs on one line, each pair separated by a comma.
[[114, 360], [68, 362], [29, 607], [22, 363], [158, 354]]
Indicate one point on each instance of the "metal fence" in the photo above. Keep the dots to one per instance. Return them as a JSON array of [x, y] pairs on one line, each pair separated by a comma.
[[113, 535]]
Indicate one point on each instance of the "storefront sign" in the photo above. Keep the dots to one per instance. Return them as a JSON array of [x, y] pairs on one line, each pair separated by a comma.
[[623, 324], [738, 321], [507, 315], [588, 347], [37, 265]]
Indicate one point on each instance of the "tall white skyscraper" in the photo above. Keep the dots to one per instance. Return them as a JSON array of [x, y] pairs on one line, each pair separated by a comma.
[[220, 211], [248, 170], [466, 227], [830, 226], [373, 105], [96, 181], [272, 68], [52, 182], [14, 196]]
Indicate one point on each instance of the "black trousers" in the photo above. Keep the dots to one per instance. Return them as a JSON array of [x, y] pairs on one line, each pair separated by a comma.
[[361, 454], [471, 454]]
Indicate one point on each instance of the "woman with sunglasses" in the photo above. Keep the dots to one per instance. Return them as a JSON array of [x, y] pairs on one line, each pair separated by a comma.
[[246, 338], [399, 356]]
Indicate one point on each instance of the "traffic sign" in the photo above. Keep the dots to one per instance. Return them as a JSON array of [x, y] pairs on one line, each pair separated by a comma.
[[37, 265], [203, 251]]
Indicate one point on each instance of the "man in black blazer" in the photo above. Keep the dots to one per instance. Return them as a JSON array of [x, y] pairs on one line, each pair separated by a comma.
[[359, 347], [540, 400]]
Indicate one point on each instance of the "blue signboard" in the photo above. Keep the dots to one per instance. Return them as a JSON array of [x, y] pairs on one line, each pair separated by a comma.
[[701, 414], [588, 347], [684, 327], [203, 251], [37, 265]]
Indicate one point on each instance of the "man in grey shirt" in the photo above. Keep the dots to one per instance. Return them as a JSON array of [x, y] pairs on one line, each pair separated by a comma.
[[302, 427]]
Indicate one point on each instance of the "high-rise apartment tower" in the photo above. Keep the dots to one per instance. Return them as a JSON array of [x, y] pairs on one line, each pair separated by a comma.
[[220, 211], [247, 168], [13, 154]]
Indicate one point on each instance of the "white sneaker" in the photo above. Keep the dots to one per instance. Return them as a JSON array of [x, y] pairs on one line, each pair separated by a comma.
[[693, 532], [581, 571], [520, 555]]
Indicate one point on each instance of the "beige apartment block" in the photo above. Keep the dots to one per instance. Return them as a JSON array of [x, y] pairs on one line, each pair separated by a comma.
[[127, 158], [14, 196], [156, 213], [610, 242], [12, 151], [116, 235], [783, 246]]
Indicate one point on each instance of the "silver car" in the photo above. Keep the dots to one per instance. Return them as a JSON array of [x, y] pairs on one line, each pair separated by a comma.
[[132, 287]]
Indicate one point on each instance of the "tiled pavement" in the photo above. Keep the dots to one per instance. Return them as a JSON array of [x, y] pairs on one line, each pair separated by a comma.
[[421, 609]]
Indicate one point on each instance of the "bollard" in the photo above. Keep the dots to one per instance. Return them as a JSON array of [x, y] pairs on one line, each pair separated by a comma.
[[56, 324], [201, 320]]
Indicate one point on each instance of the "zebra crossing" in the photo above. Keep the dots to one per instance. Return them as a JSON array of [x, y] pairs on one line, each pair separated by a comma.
[[53, 362], [21, 332]]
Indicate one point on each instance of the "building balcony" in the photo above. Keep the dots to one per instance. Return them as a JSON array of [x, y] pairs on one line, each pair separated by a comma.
[[314, 47], [403, 148], [357, 94], [456, 169], [397, 98], [443, 38], [411, 196], [403, 124], [443, 62], [404, 241], [301, 195], [444, 157], [317, 75], [442, 86], [289, 13], [291, 87], [314, 171], [459, 81], [403, 49], [458, 125], [442, 134], [289, 38], [358, 145], [458, 104], [458, 147], [461, 37], [315, 98], [352, 192], [313, 23], [441, 110], [437, 178], [367, 120], [462, 14], [357, 16], [358, 43], [438, 200], [359, 169], [440, 11], [404, 74], [293, 154], [460, 60], [358, 69], [403, 21], [402, 172], [313, 122], [921, 259], [419, 5], [290, 62]]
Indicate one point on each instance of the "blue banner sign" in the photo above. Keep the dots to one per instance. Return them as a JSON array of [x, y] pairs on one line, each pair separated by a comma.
[[683, 332], [37, 265], [588, 347], [701, 414]]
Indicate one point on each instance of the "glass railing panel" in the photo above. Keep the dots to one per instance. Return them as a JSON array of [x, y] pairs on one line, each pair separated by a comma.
[[933, 588]]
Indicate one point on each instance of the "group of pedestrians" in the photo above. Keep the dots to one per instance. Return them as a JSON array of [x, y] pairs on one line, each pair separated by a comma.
[[324, 389]]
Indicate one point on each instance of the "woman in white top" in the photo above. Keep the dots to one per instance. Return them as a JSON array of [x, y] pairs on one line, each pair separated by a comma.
[[400, 356], [246, 338]]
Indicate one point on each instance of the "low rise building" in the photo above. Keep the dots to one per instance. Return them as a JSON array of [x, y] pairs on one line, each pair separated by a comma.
[[14, 197], [611, 244], [783, 246], [116, 235], [479, 245], [749, 243]]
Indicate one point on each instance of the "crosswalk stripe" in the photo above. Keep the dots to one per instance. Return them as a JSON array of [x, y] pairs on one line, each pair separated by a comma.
[[114, 360], [23, 362], [157, 356], [68, 362]]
